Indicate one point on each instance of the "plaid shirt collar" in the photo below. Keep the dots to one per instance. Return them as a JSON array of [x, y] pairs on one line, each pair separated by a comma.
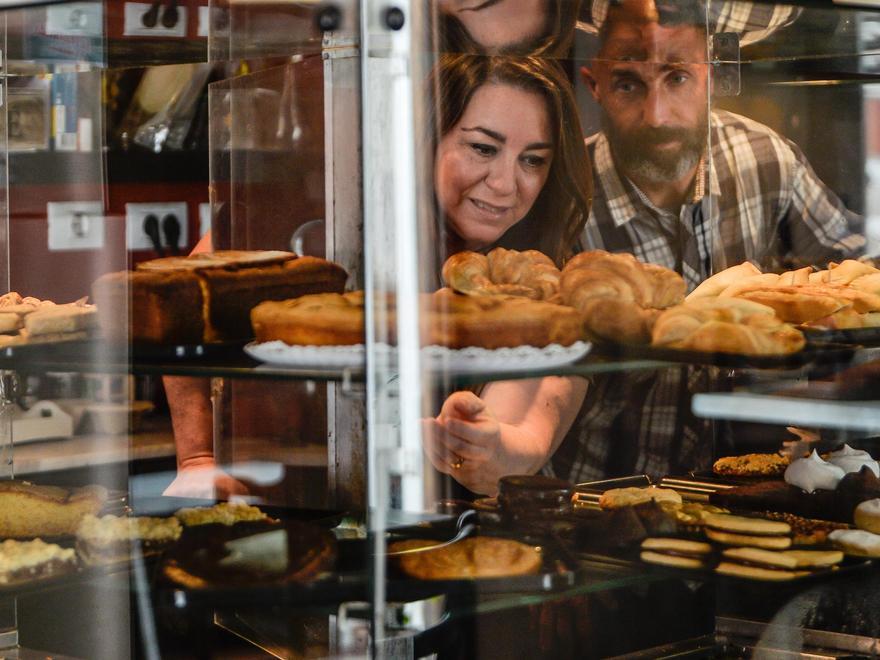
[[624, 197]]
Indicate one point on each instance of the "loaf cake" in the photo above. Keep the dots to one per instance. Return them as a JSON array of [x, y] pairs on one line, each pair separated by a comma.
[[205, 297], [27, 511]]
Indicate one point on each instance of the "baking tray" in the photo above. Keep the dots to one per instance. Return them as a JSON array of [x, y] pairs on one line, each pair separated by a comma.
[[857, 336], [817, 353], [558, 570]]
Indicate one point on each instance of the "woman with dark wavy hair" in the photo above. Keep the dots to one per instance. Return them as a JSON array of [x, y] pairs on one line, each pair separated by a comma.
[[510, 165], [510, 170]]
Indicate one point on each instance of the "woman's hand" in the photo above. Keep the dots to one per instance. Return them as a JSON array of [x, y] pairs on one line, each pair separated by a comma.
[[202, 478], [464, 441]]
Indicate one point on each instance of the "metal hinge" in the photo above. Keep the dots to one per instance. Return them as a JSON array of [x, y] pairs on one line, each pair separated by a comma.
[[725, 64]]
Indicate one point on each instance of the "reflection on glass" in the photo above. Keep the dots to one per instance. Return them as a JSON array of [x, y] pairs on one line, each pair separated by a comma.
[[526, 27]]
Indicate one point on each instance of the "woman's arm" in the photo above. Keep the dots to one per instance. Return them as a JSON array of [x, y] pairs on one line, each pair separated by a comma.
[[189, 400], [513, 429]]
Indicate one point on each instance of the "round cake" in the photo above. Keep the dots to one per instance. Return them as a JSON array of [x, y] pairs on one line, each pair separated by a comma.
[[324, 319], [447, 319], [478, 557]]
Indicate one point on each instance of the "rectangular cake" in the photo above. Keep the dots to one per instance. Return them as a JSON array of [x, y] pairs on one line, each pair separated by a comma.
[[205, 297], [28, 510], [31, 560]]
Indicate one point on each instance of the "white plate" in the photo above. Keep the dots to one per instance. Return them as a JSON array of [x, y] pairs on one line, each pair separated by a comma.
[[436, 358], [308, 357]]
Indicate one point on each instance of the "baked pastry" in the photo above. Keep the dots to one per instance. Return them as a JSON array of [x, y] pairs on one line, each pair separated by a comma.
[[616, 498], [34, 320], [224, 513], [752, 465], [457, 321], [725, 325], [27, 511], [205, 297], [713, 286], [806, 531], [478, 557], [447, 319], [679, 553], [111, 538], [845, 296], [530, 274], [324, 319], [31, 560], [618, 295]]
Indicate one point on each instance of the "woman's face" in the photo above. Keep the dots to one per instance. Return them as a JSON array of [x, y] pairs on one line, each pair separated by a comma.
[[499, 23], [491, 166]]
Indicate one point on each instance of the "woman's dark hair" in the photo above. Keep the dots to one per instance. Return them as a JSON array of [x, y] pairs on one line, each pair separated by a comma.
[[560, 212], [555, 40]]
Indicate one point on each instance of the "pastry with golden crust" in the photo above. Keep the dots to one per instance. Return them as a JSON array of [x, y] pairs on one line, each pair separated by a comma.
[[726, 325], [447, 318], [224, 513], [205, 297], [322, 319], [478, 557], [27, 511], [530, 274], [111, 538], [752, 465], [616, 498], [619, 296]]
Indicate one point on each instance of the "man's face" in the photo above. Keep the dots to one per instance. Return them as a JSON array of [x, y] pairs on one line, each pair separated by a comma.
[[652, 84]]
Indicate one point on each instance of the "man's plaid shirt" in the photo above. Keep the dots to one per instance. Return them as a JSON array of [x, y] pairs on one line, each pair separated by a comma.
[[762, 203]]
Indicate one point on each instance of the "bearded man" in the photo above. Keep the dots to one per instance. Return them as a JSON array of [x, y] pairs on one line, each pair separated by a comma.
[[661, 193], [692, 189]]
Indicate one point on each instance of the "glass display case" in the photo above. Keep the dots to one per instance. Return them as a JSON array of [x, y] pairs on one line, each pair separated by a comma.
[[479, 295]]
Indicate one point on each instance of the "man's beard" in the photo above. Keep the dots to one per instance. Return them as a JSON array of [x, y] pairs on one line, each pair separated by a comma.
[[636, 156]]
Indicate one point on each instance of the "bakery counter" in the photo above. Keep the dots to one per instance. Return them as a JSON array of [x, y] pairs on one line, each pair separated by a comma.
[[85, 451]]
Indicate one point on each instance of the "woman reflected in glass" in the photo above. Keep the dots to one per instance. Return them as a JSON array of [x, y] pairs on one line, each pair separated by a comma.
[[523, 27]]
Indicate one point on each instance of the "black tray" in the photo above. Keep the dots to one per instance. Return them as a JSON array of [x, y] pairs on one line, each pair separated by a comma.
[[78, 350], [816, 353], [856, 336]]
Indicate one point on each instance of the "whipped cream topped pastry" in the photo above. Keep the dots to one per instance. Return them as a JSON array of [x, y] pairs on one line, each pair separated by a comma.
[[811, 474], [852, 460]]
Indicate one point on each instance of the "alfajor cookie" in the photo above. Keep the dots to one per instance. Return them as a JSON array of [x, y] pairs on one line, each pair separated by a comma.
[[678, 553], [856, 542], [743, 531]]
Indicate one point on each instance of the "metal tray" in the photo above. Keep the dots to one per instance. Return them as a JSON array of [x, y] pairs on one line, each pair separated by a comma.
[[857, 336], [557, 571], [818, 353]]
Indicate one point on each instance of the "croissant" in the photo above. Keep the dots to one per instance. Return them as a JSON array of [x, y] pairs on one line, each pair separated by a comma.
[[714, 285], [528, 274], [725, 325], [618, 295]]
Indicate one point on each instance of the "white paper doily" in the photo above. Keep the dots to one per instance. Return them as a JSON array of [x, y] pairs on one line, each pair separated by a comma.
[[502, 360], [436, 358], [308, 357]]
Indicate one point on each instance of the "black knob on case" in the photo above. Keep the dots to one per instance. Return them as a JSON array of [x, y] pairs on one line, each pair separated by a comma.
[[329, 18], [394, 18]]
